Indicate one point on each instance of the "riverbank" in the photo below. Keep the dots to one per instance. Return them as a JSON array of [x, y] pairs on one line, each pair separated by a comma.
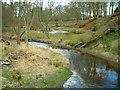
[[100, 48], [105, 52], [33, 67], [109, 57]]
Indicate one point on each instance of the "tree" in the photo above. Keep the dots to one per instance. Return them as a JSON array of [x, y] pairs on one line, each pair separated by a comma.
[[46, 16], [28, 17], [74, 11], [17, 31], [112, 5], [19, 15], [105, 9]]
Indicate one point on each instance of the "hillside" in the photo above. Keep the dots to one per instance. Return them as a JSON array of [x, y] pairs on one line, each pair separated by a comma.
[[105, 38]]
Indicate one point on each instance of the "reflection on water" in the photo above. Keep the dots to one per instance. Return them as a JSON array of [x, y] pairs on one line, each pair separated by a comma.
[[58, 32], [88, 71], [93, 71]]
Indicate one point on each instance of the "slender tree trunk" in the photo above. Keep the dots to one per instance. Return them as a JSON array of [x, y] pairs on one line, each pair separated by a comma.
[[18, 32], [97, 12], [83, 15], [87, 14], [41, 13], [26, 35], [101, 9], [90, 13], [27, 23], [12, 13], [112, 7], [109, 10], [1, 32], [105, 9], [47, 30], [93, 9]]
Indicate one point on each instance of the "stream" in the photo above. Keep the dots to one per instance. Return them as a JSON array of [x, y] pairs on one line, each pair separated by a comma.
[[58, 32], [88, 71]]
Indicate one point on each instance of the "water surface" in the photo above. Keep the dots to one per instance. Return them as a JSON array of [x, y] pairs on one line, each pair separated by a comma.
[[88, 71], [58, 32]]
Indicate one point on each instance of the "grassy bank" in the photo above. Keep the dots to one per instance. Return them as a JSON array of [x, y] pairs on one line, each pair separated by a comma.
[[33, 67], [108, 43]]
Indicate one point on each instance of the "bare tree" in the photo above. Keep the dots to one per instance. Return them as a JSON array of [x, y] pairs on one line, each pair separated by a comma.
[[112, 5], [19, 15], [28, 17], [46, 16], [17, 31]]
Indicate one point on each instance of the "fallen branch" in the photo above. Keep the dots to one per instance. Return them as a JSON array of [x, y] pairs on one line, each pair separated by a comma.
[[5, 41], [22, 34], [97, 38]]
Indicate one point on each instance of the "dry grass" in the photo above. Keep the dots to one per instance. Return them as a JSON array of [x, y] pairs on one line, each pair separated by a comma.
[[35, 62], [114, 44]]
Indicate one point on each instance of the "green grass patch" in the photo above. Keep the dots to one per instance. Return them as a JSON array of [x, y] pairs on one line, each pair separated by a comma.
[[52, 81], [75, 42], [36, 35], [57, 81], [105, 42]]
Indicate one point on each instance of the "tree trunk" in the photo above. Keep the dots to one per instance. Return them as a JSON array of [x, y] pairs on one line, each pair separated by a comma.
[[27, 23], [105, 9], [83, 15], [47, 31], [94, 12], [26, 35], [1, 25], [101, 9], [109, 10], [41, 13], [90, 13], [112, 7], [18, 32]]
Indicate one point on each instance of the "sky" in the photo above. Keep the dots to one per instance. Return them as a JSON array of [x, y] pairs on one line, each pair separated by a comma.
[[45, 2], [61, 2]]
